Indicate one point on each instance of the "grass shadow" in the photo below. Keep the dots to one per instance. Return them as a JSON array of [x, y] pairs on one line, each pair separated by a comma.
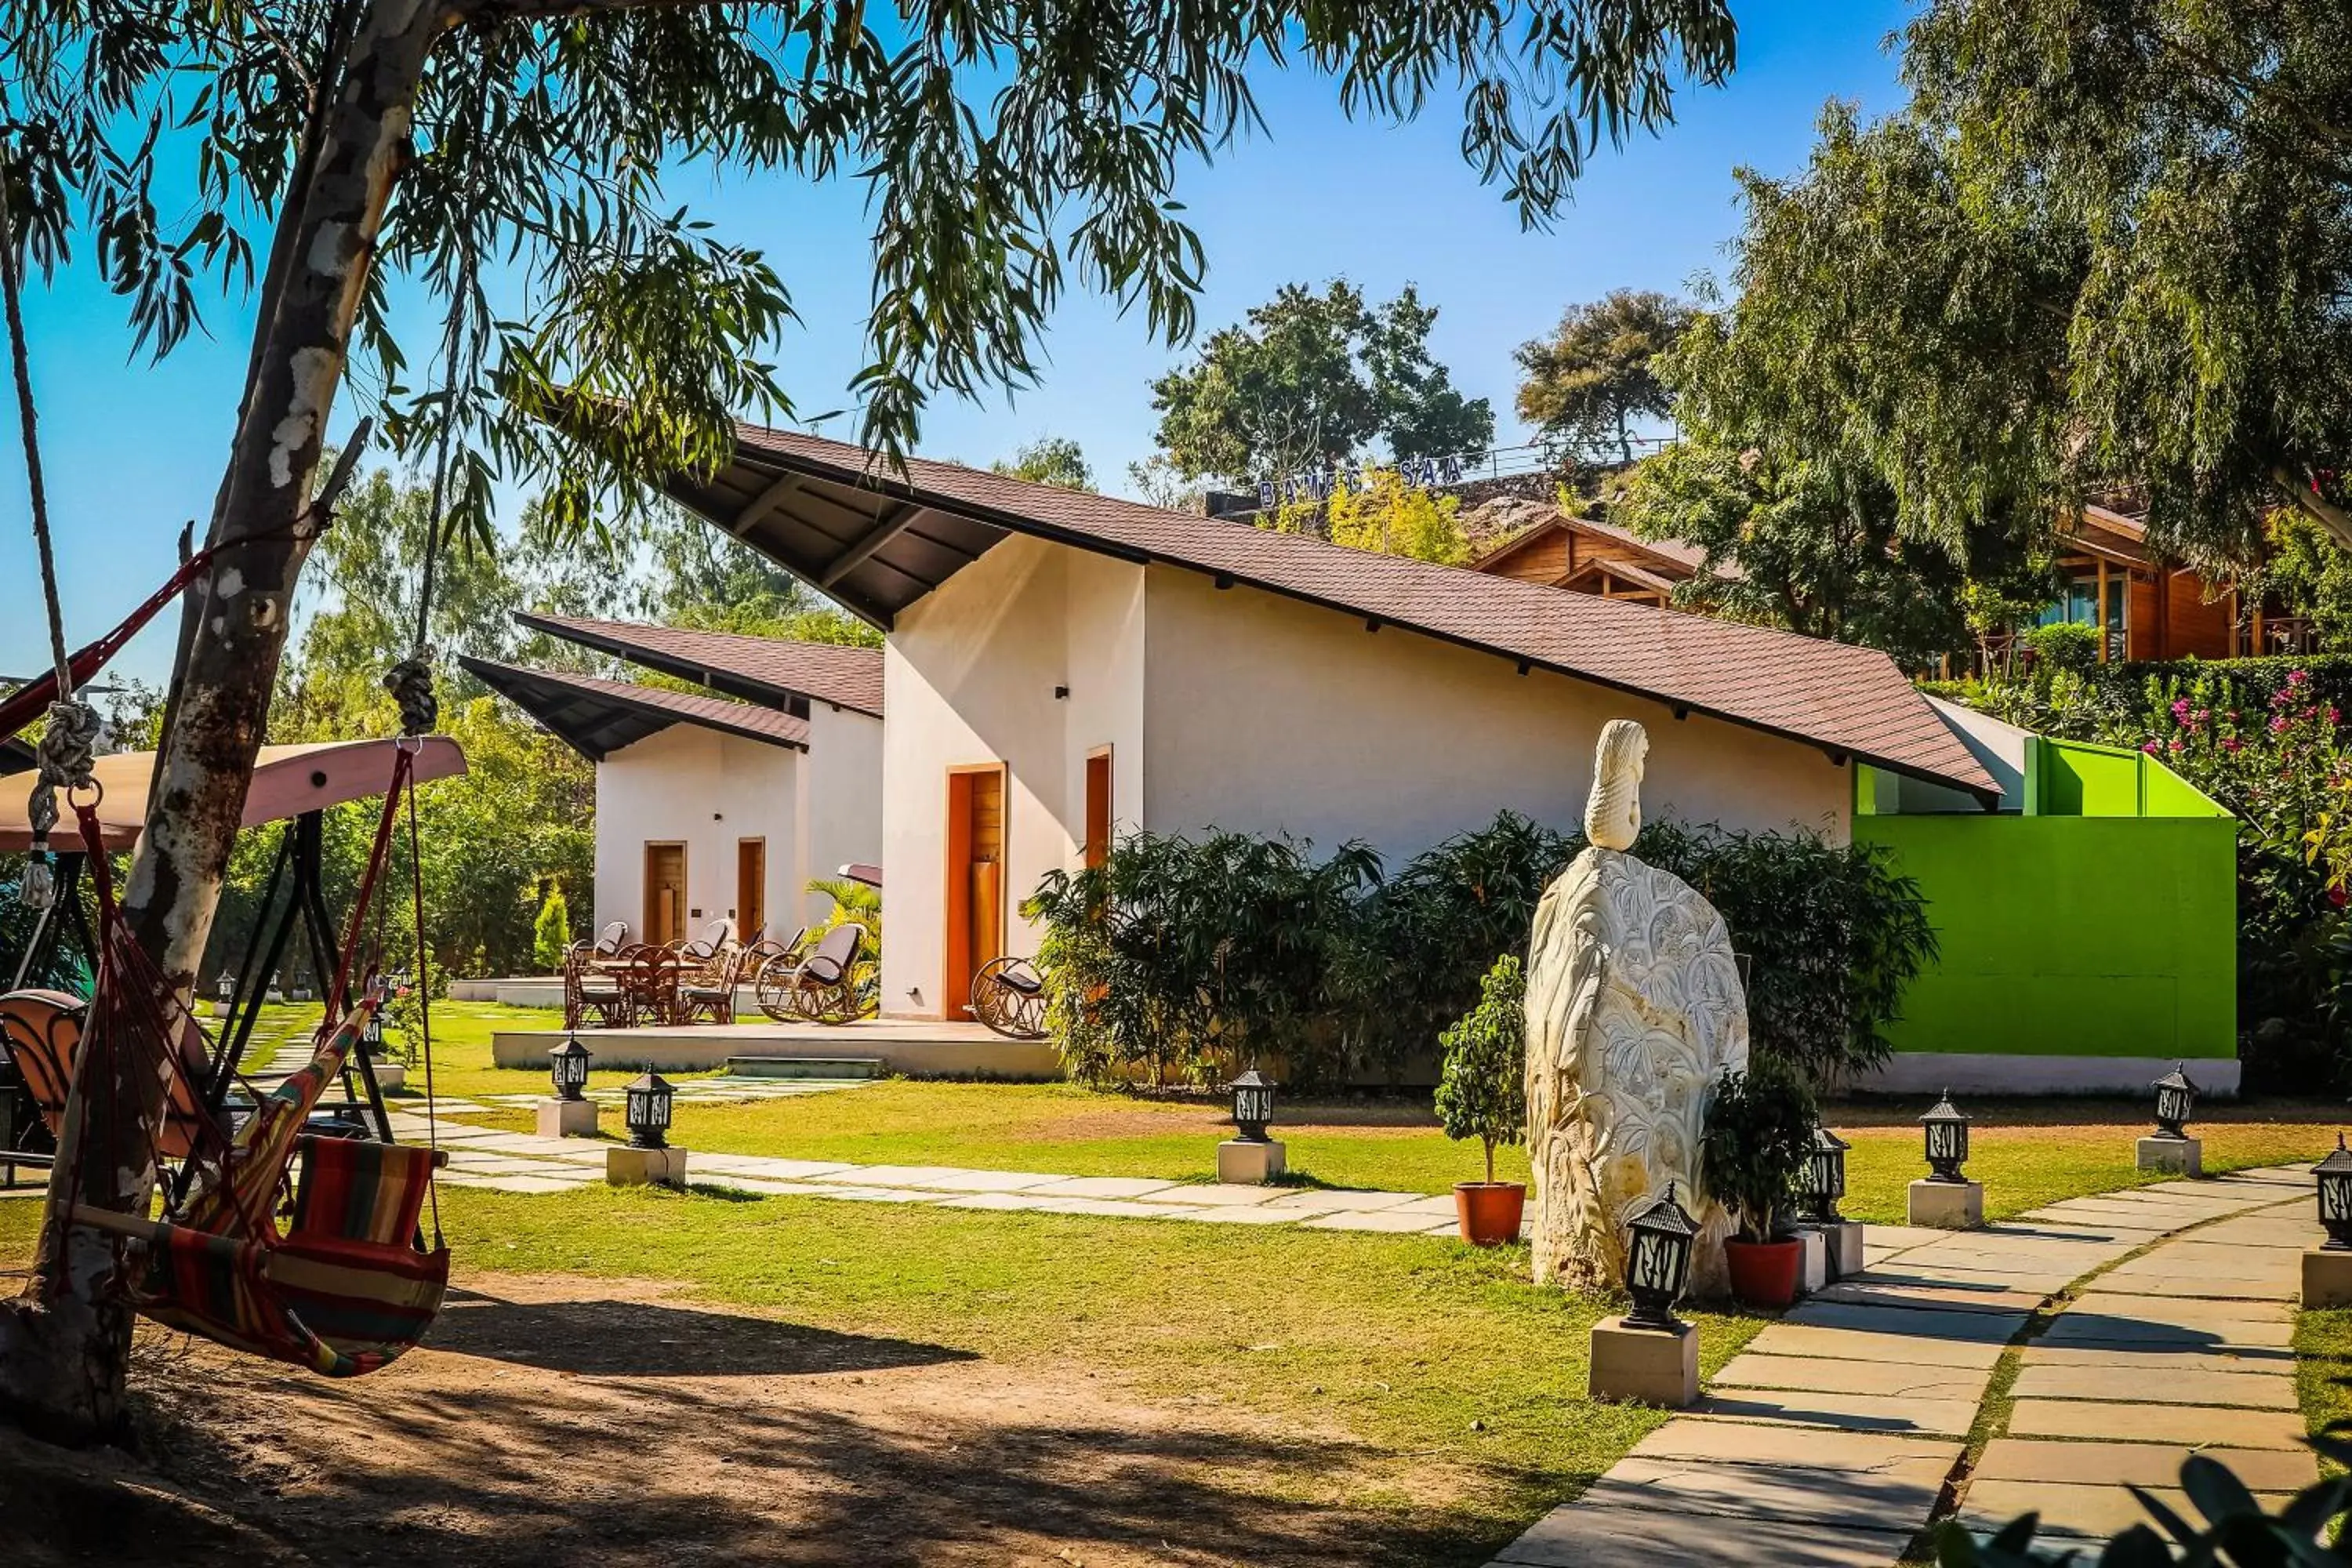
[[645, 1339]]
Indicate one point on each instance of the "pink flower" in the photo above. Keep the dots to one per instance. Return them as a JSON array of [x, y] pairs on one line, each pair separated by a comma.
[[2335, 716], [2181, 709], [2174, 745], [2150, 747], [2229, 742], [2297, 677], [2278, 724]]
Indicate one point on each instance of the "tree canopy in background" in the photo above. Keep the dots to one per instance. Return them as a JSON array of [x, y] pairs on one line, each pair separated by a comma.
[[1585, 385], [1049, 460], [1312, 379]]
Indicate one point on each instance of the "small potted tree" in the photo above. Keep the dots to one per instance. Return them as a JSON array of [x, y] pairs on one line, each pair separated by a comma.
[[1759, 1133], [1483, 1095]]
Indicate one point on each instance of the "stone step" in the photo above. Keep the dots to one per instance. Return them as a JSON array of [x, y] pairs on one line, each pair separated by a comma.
[[804, 1067]]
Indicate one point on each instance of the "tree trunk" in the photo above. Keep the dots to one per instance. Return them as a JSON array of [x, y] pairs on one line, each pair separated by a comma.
[[65, 1342]]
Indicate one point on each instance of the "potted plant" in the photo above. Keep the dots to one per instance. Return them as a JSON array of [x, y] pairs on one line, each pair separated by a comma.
[[1759, 1133], [1483, 1095]]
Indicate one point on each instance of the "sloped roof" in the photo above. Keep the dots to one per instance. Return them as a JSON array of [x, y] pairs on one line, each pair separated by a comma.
[[1689, 558], [597, 717], [757, 669], [876, 540]]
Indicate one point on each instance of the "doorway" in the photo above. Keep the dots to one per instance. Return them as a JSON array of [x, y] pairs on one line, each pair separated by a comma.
[[664, 894], [751, 889], [1097, 846], [976, 871]]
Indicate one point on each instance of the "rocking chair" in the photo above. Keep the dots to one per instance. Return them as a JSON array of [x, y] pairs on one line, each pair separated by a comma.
[[822, 987], [1008, 995]]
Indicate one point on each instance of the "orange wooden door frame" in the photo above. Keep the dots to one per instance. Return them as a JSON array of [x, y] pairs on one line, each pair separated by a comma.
[[660, 929], [750, 889], [1099, 807], [965, 921]]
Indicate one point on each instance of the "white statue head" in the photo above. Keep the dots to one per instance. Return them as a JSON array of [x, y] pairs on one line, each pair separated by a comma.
[[1613, 814]]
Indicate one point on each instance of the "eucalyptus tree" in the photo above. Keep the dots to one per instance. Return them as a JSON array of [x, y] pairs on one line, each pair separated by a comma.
[[1586, 384], [1011, 149]]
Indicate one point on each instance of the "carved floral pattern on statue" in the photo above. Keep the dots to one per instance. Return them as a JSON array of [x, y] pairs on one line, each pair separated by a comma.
[[1634, 1013]]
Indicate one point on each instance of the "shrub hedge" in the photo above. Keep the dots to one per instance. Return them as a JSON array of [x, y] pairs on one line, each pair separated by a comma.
[[1182, 958]]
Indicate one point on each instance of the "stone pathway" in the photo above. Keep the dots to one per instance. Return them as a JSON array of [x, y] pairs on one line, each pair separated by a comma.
[[520, 1163], [1832, 1439]]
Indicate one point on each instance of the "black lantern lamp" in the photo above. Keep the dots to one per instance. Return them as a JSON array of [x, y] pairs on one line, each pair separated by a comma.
[[371, 1042], [1658, 1263], [1824, 1179], [647, 1111], [1948, 1140], [568, 1064], [1252, 1105], [2174, 1095], [226, 989], [2335, 1174]]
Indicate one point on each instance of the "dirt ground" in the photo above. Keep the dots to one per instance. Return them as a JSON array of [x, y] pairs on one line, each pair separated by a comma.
[[559, 1421]]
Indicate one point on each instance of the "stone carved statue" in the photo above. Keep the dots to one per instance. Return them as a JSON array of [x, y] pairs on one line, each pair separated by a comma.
[[1634, 1013]]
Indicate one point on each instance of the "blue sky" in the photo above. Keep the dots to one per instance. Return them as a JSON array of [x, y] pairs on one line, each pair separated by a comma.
[[133, 449]]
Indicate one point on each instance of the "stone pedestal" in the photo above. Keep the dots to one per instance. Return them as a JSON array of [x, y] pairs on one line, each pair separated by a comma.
[[1946, 1206], [1648, 1366], [2327, 1279], [1244, 1163], [1814, 1273], [1840, 1244], [2181, 1156], [388, 1075], [626, 1165], [560, 1117]]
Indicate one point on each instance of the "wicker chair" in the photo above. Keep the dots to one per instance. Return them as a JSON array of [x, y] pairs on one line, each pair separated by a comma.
[[593, 990], [651, 980], [612, 939], [768, 966], [1008, 995], [822, 988], [706, 992], [716, 939]]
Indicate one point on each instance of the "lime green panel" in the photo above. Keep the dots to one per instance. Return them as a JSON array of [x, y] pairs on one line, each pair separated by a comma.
[[2071, 935]]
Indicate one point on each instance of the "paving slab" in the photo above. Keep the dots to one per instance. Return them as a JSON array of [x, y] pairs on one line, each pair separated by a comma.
[[1834, 1498], [530, 1183], [1236, 1214], [1094, 1186], [1826, 1375], [1390, 1220], [1866, 1292], [856, 1194], [2122, 1384], [910, 1175], [1124, 1208], [2199, 1424], [1330, 1201], [2136, 1464], [2077, 1512], [1010, 1202], [728, 1181], [771, 1169], [1964, 1328], [1580, 1537], [2179, 1309], [1734, 1443], [1845, 1412], [2128, 1335], [1899, 1236], [1788, 1339], [2200, 1258], [2159, 1360], [1212, 1194], [2207, 1287]]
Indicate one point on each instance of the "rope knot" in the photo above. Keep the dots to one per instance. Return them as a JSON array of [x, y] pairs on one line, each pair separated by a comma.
[[68, 754], [410, 684]]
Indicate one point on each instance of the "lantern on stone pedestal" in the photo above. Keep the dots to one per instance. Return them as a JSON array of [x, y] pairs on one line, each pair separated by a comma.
[[2335, 1176], [1658, 1244], [1947, 1133], [568, 1066], [2174, 1095], [224, 988], [646, 1112], [1823, 1180], [1252, 1105]]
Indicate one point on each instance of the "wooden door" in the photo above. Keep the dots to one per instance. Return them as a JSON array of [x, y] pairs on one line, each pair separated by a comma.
[[664, 894], [976, 871], [1098, 807], [751, 889]]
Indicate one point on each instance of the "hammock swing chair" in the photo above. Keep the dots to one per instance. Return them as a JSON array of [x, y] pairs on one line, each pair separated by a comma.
[[349, 1284]]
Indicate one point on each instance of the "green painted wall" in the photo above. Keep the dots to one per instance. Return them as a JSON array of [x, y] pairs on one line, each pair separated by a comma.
[[2075, 778], [2099, 934]]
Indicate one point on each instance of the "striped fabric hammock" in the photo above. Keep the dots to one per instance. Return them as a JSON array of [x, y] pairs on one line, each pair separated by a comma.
[[347, 1286]]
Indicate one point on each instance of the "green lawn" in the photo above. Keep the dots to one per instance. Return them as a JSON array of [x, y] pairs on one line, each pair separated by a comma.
[[1440, 1359]]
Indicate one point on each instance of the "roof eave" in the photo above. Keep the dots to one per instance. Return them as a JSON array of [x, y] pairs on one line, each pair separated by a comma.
[[503, 680]]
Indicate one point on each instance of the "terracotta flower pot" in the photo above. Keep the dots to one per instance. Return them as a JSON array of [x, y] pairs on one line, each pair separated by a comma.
[[1489, 1211], [1765, 1273]]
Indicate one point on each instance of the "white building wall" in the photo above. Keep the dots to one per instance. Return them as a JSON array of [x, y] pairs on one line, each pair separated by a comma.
[[692, 786], [1264, 714], [1254, 713], [842, 801], [969, 679]]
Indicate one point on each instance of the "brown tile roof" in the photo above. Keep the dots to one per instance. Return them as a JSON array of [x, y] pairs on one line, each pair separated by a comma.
[[1844, 698], [597, 717], [758, 670]]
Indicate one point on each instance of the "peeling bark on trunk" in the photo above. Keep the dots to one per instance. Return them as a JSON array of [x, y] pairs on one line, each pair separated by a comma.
[[65, 1342]]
